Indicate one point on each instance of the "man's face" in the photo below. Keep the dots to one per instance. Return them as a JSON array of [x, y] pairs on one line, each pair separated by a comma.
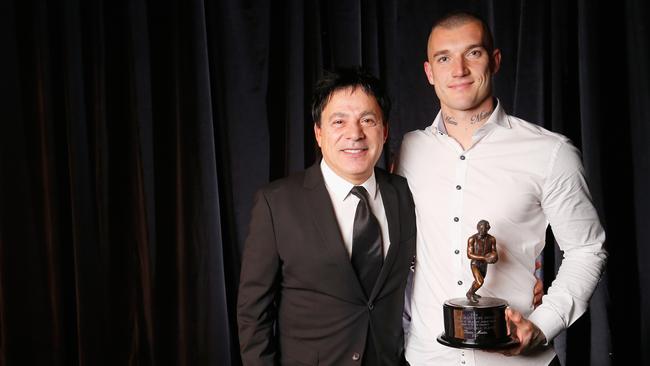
[[459, 67], [352, 133]]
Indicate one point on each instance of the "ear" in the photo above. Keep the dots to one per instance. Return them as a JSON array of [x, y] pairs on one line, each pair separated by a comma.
[[317, 133], [428, 71], [385, 132], [496, 60]]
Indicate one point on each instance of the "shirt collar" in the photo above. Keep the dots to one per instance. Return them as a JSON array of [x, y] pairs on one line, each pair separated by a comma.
[[497, 118], [339, 188]]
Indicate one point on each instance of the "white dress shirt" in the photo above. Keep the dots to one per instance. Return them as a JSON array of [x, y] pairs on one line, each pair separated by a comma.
[[345, 205], [521, 178]]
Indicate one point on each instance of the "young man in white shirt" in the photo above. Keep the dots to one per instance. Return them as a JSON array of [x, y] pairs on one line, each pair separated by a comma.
[[477, 162]]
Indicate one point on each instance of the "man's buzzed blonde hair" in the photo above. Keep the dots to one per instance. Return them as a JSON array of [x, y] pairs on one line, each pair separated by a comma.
[[458, 18]]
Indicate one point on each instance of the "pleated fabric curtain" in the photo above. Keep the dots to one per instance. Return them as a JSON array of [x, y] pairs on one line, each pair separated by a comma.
[[111, 216]]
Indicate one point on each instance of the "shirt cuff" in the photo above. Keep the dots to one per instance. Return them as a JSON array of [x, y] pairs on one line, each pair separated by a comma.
[[548, 321]]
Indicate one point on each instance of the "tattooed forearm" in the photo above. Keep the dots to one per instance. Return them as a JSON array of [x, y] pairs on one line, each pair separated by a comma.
[[479, 117]]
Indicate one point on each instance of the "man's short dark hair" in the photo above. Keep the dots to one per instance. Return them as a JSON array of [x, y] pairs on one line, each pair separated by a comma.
[[460, 17], [344, 78]]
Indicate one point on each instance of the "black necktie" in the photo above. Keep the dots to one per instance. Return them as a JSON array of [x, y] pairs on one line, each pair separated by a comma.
[[367, 253]]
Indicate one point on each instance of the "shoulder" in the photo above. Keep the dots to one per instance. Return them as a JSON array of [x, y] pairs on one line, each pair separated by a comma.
[[284, 186], [415, 149], [552, 152], [555, 145], [398, 185], [532, 130], [397, 181], [383, 174], [416, 136]]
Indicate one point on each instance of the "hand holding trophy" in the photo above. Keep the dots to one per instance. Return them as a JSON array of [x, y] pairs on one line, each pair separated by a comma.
[[475, 321]]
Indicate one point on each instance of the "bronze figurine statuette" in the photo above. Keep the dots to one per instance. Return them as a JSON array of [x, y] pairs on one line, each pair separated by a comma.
[[474, 321]]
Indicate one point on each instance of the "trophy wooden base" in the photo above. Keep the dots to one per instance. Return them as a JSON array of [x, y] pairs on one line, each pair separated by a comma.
[[479, 325]]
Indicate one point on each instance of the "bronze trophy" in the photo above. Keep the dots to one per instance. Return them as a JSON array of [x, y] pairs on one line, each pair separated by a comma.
[[474, 321]]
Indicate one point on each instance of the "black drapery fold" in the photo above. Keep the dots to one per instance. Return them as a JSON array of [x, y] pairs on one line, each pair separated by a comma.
[[134, 133], [637, 45], [111, 242]]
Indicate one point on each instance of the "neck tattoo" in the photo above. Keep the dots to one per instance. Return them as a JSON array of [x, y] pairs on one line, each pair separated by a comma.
[[450, 119], [479, 117]]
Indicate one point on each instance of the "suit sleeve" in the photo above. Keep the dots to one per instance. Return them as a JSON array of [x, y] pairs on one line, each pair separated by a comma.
[[258, 287]]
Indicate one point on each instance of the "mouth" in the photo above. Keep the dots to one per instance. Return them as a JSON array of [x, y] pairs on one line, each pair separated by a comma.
[[460, 86], [353, 152]]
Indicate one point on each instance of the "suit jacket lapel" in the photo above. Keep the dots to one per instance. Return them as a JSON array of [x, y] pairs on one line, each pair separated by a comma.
[[325, 220], [391, 207]]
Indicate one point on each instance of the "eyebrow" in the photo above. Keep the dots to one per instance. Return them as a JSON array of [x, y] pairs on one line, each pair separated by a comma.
[[337, 115], [343, 114], [444, 52]]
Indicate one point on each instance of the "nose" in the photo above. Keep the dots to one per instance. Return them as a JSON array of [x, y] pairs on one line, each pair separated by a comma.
[[458, 67], [355, 131]]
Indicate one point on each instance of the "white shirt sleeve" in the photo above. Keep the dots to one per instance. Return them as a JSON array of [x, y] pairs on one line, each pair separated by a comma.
[[568, 207]]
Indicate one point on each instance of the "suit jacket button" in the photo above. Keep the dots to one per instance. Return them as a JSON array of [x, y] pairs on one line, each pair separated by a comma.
[[356, 356], [371, 306]]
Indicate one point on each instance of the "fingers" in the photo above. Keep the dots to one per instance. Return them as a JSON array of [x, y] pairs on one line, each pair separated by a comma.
[[513, 316], [538, 293], [522, 330], [538, 289]]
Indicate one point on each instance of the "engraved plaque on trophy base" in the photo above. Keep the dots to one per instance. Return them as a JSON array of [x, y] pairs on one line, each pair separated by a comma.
[[476, 325]]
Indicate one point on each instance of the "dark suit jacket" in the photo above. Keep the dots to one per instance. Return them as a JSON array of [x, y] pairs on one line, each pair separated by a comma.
[[300, 302]]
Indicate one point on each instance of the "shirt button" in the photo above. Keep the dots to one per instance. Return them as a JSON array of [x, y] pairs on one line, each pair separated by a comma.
[[456, 251], [356, 356], [456, 219], [462, 157], [460, 283], [458, 187]]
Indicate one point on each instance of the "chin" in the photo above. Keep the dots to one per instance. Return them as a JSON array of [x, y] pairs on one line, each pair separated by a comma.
[[360, 172], [464, 106]]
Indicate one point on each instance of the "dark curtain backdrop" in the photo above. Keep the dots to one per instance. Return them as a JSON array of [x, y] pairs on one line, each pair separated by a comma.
[[133, 135]]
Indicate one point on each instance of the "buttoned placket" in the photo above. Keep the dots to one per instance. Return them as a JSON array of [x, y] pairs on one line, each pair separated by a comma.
[[466, 358], [461, 178], [456, 219], [463, 274]]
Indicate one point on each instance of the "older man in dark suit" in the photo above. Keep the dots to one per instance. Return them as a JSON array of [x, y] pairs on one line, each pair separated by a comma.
[[329, 249]]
